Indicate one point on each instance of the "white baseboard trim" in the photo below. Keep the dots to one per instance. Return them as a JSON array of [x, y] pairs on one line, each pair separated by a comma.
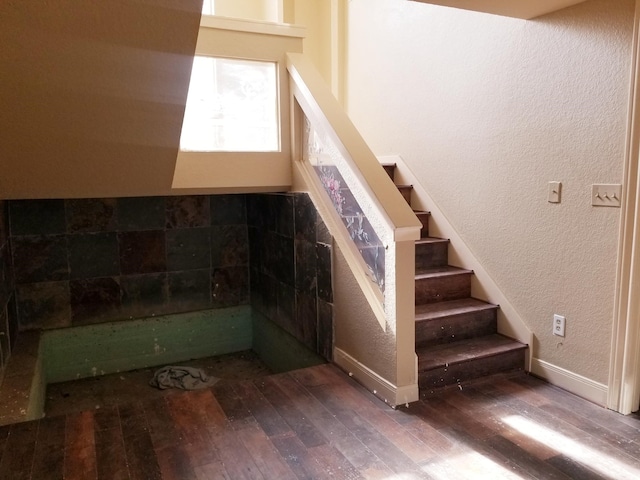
[[572, 382], [381, 388]]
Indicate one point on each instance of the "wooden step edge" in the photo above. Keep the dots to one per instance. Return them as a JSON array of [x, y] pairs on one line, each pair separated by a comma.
[[400, 187], [455, 357], [450, 312], [431, 240], [441, 272]]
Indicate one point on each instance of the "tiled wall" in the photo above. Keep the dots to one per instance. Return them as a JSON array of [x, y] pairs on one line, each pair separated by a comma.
[[296, 295], [83, 261], [8, 318]]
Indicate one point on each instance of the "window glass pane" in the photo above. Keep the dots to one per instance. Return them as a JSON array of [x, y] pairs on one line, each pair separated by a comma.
[[232, 106]]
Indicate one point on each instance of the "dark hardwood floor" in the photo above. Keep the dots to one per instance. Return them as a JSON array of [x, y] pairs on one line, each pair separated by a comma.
[[317, 423]]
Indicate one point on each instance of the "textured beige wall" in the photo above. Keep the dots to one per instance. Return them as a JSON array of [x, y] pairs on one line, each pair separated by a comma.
[[356, 329], [486, 110]]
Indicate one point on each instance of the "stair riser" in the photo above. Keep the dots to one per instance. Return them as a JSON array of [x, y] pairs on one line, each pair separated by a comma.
[[406, 193], [390, 169], [431, 380], [430, 255], [424, 220], [438, 289], [453, 328]]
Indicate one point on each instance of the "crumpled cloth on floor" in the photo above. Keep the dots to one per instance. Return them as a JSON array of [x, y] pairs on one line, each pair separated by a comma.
[[186, 378]]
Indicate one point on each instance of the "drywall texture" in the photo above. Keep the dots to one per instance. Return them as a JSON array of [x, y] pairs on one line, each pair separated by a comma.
[[486, 110], [93, 95], [357, 331]]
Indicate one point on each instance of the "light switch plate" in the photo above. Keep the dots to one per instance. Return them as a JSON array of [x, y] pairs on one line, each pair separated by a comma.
[[606, 195], [555, 189]]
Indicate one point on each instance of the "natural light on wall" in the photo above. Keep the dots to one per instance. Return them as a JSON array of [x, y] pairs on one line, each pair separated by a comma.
[[232, 106]]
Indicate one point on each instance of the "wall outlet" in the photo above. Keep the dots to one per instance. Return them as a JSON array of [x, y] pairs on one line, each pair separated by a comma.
[[558, 325]]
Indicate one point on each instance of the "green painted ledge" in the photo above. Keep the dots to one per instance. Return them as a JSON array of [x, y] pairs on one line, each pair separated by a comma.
[[91, 350]]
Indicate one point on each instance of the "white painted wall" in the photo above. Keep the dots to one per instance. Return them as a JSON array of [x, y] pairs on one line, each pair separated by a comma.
[[486, 110]]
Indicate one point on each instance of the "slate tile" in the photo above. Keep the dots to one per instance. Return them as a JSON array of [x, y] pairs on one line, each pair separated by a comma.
[[144, 295], [257, 209], [141, 213], [229, 246], [256, 243], [37, 217], [44, 305], [285, 315], [93, 255], [322, 232], [323, 271], [14, 325], [95, 300], [187, 211], [325, 329], [305, 266], [228, 209], [40, 259], [283, 206], [5, 349], [307, 320], [4, 222], [91, 215], [188, 249], [189, 290], [142, 252], [305, 218], [230, 286]]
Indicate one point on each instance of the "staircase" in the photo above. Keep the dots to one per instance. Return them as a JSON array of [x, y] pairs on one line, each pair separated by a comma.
[[456, 335]]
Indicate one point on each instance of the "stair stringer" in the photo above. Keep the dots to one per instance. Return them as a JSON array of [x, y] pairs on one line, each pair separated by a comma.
[[483, 287]]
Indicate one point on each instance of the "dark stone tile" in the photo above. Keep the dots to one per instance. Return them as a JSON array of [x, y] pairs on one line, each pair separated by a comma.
[[6, 275], [5, 348], [229, 246], [95, 300], [141, 213], [280, 260], [142, 252], [325, 329], [256, 290], [44, 305], [12, 317], [40, 259], [305, 218], [91, 215], [4, 223], [144, 295], [188, 249], [307, 319], [187, 211], [230, 286], [269, 288], [228, 209], [282, 212], [256, 244], [189, 290], [285, 315], [323, 271], [93, 255], [305, 253], [37, 217], [258, 210], [322, 232]]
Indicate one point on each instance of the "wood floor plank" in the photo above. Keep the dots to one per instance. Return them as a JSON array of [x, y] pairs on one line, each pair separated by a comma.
[[573, 469], [212, 471], [80, 448], [263, 452], [17, 459], [140, 455], [265, 414], [48, 460], [192, 431], [111, 458], [351, 447], [390, 455], [305, 430], [232, 404], [175, 464]]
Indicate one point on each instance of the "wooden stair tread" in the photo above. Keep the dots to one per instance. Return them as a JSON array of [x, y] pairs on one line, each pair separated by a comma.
[[426, 240], [432, 311], [445, 271], [465, 351]]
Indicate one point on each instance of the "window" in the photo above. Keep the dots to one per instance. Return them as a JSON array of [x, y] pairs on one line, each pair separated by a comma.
[[232, 106]]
